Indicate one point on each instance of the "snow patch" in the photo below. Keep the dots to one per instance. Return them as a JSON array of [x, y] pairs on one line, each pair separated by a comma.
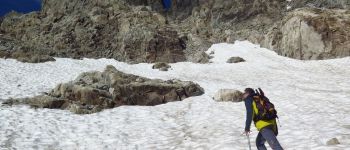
[[312, 98]]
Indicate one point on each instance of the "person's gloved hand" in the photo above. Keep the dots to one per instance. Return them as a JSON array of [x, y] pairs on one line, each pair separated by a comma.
[[247, 132]]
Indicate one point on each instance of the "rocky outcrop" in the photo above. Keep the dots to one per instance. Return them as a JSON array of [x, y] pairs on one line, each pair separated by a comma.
[[235, 60], [95, 29], [228, 95], [312, 34], [94, 91]]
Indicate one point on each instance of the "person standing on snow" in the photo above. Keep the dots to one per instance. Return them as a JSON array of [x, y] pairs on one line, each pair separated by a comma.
[[267, 127]]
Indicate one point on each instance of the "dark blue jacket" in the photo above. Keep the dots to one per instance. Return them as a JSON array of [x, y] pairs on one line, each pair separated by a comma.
[[166, 4], [249, 107]]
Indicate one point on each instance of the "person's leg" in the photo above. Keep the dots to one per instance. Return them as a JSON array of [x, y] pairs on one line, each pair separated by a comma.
[[260, 142], [270, 137]]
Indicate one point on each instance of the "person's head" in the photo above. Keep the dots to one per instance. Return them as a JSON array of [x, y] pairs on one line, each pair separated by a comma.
[[247, 92]]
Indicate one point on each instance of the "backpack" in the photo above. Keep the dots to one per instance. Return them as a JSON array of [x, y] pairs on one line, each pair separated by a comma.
[[266, 110]]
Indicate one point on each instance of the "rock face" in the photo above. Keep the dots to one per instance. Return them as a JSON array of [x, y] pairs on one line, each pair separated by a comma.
[[95, 29], [141, 31], [215, 21], [312, 34], [94, 91], [235, 60], [135, 31], [228, 95]]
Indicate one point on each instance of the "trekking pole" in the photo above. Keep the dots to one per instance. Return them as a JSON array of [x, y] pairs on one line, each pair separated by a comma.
[[250, 147]]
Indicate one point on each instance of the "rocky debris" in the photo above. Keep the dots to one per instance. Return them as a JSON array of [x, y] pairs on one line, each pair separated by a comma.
[[94, 91], [333, 141], [162, 66], [312, 34], [235, 60], [228, 95]]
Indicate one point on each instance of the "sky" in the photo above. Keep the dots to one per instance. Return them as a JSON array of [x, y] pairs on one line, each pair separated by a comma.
[[23, 6]]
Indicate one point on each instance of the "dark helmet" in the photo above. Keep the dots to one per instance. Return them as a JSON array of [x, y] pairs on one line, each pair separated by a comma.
[[249, 90]]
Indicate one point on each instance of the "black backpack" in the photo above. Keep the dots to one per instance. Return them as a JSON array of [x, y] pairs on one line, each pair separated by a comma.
[[266, 110]]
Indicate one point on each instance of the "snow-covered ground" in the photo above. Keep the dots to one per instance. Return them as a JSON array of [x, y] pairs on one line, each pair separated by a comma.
[[312, 97]]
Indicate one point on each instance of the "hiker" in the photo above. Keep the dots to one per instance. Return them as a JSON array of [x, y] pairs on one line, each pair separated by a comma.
[[264, 122], [166, 5]]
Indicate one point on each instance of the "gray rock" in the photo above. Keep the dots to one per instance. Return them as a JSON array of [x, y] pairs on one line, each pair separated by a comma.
[[94, 91], [235, 60], [333, 141], [228, 95], [311, 34], [160, 65]]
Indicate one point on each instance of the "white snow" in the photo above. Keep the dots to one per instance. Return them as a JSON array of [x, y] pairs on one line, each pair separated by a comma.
[[312, 98]]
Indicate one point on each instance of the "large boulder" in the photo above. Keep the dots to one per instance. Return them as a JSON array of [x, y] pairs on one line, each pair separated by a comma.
[[94, 91], [312, 34], [228, 95]]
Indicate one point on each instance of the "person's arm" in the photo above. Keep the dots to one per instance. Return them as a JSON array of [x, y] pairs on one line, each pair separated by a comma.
[[249, 107]]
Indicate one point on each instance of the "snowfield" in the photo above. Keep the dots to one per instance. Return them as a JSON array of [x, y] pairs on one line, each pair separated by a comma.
[[312, 99]]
